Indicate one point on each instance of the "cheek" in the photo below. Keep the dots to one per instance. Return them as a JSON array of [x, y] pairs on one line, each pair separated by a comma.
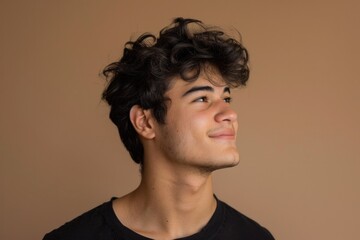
[[199, 124], [236, 126], [189, 125]]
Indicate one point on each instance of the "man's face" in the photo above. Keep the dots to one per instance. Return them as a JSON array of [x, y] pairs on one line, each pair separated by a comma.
[[201, 126]]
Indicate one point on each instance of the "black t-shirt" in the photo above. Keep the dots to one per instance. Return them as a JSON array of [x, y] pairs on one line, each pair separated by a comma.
[[101, 223]]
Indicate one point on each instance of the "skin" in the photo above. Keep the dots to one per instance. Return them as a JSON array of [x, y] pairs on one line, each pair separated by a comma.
[[175, 197]]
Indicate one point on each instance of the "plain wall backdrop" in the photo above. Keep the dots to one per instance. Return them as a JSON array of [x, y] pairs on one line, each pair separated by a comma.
[[299, 116]]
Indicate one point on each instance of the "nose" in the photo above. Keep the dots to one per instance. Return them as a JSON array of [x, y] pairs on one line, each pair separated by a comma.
[[225, 113]]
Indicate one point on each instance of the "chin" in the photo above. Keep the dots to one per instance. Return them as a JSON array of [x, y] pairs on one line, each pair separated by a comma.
[[216, 165], [231, 161]]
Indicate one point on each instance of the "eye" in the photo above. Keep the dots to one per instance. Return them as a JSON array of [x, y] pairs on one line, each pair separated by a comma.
[[202, 99], [228, 99]]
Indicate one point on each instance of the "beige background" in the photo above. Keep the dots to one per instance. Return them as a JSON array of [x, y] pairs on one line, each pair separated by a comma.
[[299, 116]]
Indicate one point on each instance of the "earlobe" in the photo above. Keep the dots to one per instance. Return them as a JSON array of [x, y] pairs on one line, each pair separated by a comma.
[[141, 119]]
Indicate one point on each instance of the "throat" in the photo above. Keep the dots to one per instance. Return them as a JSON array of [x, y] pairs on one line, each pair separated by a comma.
[[164, 211]]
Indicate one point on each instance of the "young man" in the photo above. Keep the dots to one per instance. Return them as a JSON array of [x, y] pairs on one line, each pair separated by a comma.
[[170, 99]]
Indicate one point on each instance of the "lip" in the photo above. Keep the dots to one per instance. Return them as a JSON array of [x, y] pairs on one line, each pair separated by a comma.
[[223, 134]]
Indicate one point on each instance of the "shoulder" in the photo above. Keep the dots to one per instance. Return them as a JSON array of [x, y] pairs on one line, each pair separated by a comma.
[[237, 224], [93, 224]]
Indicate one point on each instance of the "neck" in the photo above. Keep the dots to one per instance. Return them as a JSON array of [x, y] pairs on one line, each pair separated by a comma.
[[168, 205]]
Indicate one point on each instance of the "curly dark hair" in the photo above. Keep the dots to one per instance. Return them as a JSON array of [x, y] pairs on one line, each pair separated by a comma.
[[143, 74]]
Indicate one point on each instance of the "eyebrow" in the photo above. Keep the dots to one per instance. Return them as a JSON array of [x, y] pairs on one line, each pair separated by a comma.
[[203, 88]]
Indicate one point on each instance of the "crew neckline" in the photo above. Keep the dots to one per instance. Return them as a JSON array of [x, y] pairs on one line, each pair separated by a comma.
[[209, 230]]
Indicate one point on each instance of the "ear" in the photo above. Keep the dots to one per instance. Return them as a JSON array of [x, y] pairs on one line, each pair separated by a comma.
[[142, 120]]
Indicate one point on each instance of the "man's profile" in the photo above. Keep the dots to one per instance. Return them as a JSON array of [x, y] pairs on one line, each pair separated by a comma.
[[170, 100]]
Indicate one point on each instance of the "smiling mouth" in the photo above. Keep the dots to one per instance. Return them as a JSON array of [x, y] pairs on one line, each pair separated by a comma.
[[226, 134]]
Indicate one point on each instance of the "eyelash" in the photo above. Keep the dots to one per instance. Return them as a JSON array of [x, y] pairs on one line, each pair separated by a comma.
[[201, 99], [205, 99], [228, 99]]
